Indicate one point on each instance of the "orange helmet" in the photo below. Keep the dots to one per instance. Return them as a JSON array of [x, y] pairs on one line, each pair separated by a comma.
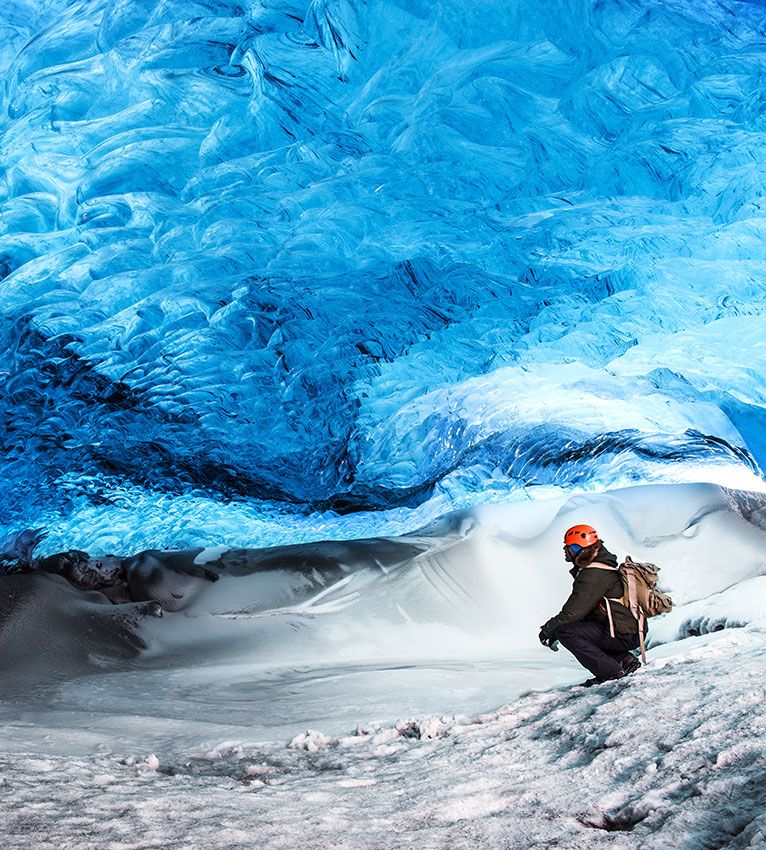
[[581, 535]]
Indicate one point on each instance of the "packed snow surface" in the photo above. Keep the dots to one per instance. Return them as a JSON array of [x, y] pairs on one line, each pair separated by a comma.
[[265, 264], [674, 756]]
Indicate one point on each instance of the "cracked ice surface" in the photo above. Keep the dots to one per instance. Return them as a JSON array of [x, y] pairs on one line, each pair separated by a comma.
[[268, 260]]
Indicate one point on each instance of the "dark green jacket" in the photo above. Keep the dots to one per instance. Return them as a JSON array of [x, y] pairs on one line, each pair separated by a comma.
[[586, 602]]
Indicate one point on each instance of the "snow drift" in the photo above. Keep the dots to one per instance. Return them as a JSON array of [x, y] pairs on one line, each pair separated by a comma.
[[474, 587]]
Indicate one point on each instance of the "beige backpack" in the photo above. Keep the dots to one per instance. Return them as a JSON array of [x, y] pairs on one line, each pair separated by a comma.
[[640, 595]]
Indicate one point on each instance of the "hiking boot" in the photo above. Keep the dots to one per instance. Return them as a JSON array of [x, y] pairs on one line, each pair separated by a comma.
[[589, 683], [629, 663]]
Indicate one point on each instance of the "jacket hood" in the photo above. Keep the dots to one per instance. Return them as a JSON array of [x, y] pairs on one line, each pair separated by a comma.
[[603, 556], [606, 557]]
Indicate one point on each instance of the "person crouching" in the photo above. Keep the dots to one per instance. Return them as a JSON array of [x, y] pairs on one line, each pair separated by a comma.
[[582, 625]]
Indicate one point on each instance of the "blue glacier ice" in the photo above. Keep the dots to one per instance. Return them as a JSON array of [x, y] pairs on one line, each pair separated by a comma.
[[295, 269]]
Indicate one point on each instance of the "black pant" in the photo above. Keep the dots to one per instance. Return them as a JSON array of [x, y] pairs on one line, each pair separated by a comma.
[[592, 645]]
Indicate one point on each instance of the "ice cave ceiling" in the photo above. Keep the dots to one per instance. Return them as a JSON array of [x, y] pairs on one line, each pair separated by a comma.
[[347, 256]]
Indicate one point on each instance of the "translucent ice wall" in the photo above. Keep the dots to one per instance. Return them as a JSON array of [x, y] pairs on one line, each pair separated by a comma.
[[292, 259]]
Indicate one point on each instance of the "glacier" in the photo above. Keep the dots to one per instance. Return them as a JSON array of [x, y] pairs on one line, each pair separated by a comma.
[[278, 271]]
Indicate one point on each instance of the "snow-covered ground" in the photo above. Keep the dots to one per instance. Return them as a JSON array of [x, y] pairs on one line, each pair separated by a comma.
[[674, 757], [197, 736]]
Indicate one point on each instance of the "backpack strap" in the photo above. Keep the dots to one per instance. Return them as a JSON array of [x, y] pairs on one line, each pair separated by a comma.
[[635, 609], [641, 637], [597, 565], [632, 594]]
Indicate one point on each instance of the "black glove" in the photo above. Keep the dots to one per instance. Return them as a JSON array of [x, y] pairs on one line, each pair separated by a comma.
[[548, 640]]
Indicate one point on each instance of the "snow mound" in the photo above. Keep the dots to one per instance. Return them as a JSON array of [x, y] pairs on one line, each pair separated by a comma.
[[475, 585], [311, 741], [734, 607]]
